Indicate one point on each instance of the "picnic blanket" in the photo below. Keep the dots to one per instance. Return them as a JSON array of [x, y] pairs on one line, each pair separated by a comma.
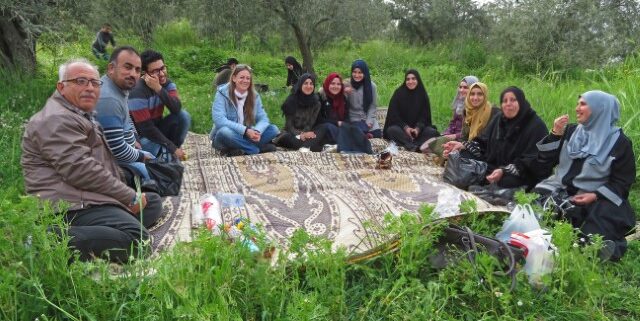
[[338, 196]]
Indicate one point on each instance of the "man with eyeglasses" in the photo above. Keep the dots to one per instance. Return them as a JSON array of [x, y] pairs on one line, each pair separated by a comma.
[[65, 159], [152, 93], [123, 71]]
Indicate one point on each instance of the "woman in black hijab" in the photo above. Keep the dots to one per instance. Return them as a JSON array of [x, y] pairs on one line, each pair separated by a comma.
[[294, 70], [508, 143], [301, 111], [408, 120]]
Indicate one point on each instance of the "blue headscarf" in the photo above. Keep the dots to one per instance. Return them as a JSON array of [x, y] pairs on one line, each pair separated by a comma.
[[366, 81], [595, 139]]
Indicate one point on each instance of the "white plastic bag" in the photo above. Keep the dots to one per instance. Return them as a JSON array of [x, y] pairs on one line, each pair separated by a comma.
[[209, 212], [521, 220], [448, 202], [539, 253]]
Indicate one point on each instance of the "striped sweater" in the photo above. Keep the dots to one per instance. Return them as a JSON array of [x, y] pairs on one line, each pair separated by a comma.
[[113, 116]]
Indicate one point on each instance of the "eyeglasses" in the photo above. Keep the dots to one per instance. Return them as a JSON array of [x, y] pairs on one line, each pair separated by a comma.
[[157, 71], [82, 81]]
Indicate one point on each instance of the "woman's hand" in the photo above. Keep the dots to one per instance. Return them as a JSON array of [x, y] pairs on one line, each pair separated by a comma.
[[307, 135], [584, 198], [559, 125], [450, 147], [495, 176], [253, 135]]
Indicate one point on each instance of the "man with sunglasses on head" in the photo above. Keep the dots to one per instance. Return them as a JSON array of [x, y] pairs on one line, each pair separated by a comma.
[[123, 71], [66, 161], [152, 93]]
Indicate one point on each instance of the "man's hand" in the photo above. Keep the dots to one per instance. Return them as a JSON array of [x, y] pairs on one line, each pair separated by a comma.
[[180, 154], [152, 82], [135, 208], [147, 155]]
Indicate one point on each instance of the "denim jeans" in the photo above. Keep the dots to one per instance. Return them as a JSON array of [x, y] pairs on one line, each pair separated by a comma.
[[140, 168], [376, 133], [226, 138], [174, 127]]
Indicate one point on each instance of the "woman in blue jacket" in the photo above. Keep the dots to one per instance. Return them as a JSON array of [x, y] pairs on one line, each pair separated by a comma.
[[241, 126]]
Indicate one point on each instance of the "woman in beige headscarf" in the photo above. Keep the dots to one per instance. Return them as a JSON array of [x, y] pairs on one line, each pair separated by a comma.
[[478, 112]]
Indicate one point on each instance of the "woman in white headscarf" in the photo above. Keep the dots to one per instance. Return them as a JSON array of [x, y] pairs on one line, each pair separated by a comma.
[[595, 168]]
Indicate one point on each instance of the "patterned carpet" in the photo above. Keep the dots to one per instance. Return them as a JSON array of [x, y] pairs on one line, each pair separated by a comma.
[[339, 196]]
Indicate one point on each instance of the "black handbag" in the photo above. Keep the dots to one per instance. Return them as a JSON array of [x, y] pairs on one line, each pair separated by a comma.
[[462, 239], [463, 172], [167, 171]]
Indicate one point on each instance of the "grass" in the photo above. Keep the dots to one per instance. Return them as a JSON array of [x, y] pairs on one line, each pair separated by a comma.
[[210, 279]]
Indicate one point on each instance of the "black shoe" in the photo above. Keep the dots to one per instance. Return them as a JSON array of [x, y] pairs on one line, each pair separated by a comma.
[[267, 148], [231, 152]]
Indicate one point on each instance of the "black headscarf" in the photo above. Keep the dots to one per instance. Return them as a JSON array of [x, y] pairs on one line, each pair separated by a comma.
[[298, 99], [513, 126], [409, 107], [366, 82], [292, 75]]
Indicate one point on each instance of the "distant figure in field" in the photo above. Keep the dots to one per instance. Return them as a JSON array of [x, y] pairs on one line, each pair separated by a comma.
[[65, 159], [223, 73], [294, 71], [454, 130], [301, 111], [103, 38], [147, 100], [408, 121], [363, 100], [241, 125], [595, 168]]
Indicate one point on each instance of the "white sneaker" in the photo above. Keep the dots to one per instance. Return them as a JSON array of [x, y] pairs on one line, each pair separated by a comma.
[[304, 150], [328, 148]]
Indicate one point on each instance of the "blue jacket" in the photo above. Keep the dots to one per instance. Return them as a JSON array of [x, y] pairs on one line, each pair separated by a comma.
[[225, 113]]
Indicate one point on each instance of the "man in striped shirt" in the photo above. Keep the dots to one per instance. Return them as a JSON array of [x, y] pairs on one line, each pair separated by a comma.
[[123, 72], [147, 102]]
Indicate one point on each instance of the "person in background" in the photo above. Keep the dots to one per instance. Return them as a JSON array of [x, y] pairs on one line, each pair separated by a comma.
[[334, 109], [301, 110], [65, 159], [241, 126], [112, 110], [147, 100], [408, 121], [294, 71], [223, 73], [595, 166], [103, 38], [363, 100]]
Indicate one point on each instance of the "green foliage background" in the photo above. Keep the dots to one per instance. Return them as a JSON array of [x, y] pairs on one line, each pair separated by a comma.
[[210, 279]]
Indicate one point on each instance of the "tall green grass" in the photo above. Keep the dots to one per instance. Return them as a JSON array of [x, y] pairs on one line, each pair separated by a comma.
[[211, 279]]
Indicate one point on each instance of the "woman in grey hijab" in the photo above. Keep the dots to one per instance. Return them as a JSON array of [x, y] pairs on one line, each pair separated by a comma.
[[595, 170], [454, 131]]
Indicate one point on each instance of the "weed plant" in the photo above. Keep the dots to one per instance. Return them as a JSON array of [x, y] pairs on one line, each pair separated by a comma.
[[212, 279]]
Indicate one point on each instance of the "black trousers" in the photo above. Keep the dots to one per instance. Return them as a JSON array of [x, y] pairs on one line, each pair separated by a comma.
[[397, 134], [289, 140], [110, 232]]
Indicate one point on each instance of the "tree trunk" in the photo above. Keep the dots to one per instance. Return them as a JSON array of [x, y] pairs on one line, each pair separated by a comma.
[[17, 49], [305, 48]]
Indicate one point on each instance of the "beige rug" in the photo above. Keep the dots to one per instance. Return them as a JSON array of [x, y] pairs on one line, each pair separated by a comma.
[[338, 196]]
